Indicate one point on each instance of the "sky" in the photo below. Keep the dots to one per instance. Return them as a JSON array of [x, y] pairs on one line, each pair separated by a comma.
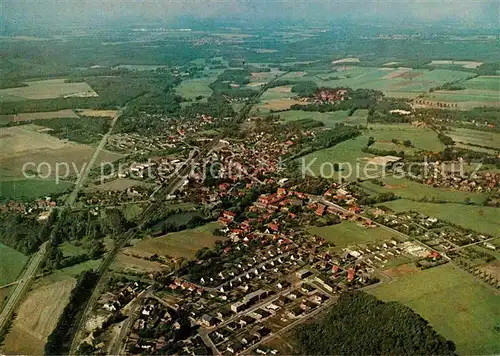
[[56, 12]]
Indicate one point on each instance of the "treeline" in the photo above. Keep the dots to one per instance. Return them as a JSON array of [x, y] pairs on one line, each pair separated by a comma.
[[59, 341], [360, 324], [329, 138], [446, 140], [305, 88]]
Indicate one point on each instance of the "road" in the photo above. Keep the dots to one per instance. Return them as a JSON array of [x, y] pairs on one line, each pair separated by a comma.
[[22, 285], [83, 176]]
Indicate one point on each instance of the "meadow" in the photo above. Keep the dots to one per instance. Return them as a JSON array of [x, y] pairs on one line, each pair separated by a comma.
[[475, 137], [39, 116], [183, 243], [350, 233], [459, 307], [282, 92], [31, 188], [409, 189], [477, 218], [192, 88], [12, 264], [330, 119], [37, 315], [47, 89]]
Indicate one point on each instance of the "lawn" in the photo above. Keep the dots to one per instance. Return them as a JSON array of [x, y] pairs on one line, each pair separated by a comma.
[[47, 89], [350, 233], [183, 243], [477, 218], [475, 137], [31, 188], [459, 307], [408, 189], [12, 264]]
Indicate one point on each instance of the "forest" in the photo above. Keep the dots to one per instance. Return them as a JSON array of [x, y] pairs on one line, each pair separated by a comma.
[[360, 324]]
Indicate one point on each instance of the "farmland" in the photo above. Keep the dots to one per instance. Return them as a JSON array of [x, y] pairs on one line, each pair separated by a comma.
[[31, 188], [455, 304], [192, 88], [408, 189], [47, 89], [38, 315], [40, 115], [177, 244], [277, 104], [12, 264], [97, 113], [350, 233], [477, 218], [29, 144], [474, 137]]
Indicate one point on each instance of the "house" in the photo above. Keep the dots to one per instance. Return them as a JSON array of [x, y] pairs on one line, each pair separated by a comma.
[[303, 273], [238, 306], [320, 209], [208, 320]]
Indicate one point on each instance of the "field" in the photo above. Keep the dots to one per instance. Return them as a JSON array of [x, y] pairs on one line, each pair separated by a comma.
[[421, 137], [283, 92], [47, 89], [477, 218], [38, 315], [485, 82], [139, 67], [475, 137], [75, 270], [39, 115], [69, 249], [98, 113], [408, 189], [31, 188], [350, 233], [192, 88], [12, 264], [465, 64], [117, 184], [277, 104], [28, 144], [455, 304], [328, 118], [177, 244]]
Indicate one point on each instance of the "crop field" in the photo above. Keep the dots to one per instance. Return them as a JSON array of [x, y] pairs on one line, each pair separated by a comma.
[[28, 144], [12, 264], [40, 115], [459, 307], [31, 188], [328, 118], [277, 104], [350, 233], [421, 137], [192, 88], [38, 315], [475, 137], [117, 184], [477, 218], [126, 262], [485, 82], [408, 189], [464, 64], [177, 244], [139, 67], [47, 89]]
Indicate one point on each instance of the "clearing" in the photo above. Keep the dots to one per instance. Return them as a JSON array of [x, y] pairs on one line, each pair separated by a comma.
[[192, 88], [47, 89], [12, 264], [38, 315], [455, 304], [350, 233]]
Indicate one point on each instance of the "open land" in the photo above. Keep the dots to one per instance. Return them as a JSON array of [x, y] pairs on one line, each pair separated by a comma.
[[192, 88], [40, 115], [177, 244], [475, 137], [409, 189], [456, 305], [350, 233], [12, 264], [477, 218], [31, 188], [47, 89], [98, 113], [38, 315]]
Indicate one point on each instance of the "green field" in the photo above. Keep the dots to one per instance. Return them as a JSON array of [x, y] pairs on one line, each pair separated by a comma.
[[31, 188], [465, 95], [12, 264], [408, 189], [192, 88], [477, 218], [483, 83], [75, 270], [475, 137], [282, 92], [139, 67], [459, 307], [46, 89], [183, 243], [69, 249], [422, 138], [350, 233]]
